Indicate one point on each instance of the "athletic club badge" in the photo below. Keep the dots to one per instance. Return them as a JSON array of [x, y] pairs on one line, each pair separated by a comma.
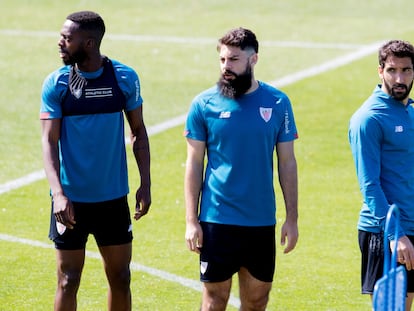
[[266, 113], [203, 267], [61, 228], [77, 93]]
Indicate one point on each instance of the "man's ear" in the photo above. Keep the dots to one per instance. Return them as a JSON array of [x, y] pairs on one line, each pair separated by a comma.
[[254, 58], [380, 72], [90, 43]]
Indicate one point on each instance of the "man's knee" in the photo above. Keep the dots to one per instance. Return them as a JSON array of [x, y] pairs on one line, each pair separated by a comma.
[[257, 303], [69, 281], [215, 296], [214, 302], [120, 278]]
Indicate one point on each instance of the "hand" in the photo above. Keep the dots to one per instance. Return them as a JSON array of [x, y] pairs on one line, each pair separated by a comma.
[[63, 210], [289, 231], [405, 252], [143, 202], [194, 237]]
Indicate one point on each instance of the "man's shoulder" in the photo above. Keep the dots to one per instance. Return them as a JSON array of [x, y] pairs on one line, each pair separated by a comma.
[[213, 90], [59, 74], [272, 90], [122, 68], [207, 94]]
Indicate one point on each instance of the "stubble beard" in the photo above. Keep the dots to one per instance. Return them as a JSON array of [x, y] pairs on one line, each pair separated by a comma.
[[76, 58], [400, 96]]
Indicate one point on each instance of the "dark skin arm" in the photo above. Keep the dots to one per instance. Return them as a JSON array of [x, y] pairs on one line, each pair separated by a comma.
[[62, 206], [140, 148]]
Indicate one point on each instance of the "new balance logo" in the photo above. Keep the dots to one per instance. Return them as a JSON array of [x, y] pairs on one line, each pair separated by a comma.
[[399, 129]]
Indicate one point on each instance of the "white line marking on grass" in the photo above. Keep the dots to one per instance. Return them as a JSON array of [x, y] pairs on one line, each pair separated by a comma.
[[329, 65], [161, 127], [184, 40], [22, 181], [192, 284]]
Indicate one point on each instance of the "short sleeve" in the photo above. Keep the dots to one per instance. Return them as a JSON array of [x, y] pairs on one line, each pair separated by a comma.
[[195, 125], [129, 83], [53, 90]]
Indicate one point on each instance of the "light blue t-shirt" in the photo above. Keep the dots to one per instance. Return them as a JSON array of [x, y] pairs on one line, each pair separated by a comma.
[[92, 152], [240, 137], [381, 136]]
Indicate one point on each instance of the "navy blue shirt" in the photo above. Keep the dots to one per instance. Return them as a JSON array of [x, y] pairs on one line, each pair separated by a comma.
[[92, 155]]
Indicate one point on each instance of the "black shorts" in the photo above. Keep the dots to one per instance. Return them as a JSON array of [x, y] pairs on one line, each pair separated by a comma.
[[372, 261], [108, 221], [227, 248]]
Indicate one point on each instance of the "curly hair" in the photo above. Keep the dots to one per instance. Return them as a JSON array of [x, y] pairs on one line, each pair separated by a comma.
[[397, 48]]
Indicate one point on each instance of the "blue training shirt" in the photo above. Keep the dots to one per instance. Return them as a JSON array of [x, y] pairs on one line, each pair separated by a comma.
[[240, 136], [381, 135], [92, 152]]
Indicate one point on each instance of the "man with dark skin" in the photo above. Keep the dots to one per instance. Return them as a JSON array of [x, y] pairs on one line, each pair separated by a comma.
[[82, 111]]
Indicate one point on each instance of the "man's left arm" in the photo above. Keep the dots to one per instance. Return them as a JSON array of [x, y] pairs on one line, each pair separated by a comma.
[[288, 179], [141, 150]]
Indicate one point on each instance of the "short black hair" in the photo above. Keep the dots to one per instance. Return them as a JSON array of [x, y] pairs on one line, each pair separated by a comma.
[[240, 37], [397, 48], [90, 22]]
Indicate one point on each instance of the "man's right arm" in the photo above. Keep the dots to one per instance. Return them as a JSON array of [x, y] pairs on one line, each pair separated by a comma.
[[50, 138], [62, 207], [192, 187]]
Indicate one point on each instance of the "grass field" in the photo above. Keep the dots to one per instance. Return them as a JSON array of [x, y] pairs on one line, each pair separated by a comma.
[[305, 50]]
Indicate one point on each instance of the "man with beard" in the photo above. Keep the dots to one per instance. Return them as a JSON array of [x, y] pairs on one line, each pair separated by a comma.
[[82, 119], [230, 211], [381, 135]]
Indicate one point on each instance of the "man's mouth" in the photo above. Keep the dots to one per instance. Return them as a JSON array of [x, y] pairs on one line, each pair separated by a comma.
[[229, 75], [400, 88], [62, 53]]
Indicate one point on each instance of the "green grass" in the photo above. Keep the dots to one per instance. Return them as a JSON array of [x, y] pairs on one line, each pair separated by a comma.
[[323, 271]]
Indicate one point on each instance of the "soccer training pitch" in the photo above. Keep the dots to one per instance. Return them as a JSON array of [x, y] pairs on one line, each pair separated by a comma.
[[322, 53]]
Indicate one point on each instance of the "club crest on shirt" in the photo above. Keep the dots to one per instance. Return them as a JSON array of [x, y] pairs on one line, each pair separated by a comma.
[[266, 113], [77, 93]]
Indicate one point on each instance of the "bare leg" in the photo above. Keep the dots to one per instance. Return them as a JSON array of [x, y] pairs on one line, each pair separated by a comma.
[[215, 296], [117, 259], [254, 294], [69, 271], [409, 301]]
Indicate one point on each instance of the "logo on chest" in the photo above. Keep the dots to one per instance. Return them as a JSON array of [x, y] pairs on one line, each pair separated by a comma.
[[77, 93], [225, 115], [266, 113], [98, 92]]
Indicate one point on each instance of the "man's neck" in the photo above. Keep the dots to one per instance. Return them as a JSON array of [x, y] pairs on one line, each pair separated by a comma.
[[91, 64], [253, 87]]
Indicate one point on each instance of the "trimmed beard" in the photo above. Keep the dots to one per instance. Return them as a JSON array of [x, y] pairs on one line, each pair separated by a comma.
[[236, 87], [398, 96], [76, 58]]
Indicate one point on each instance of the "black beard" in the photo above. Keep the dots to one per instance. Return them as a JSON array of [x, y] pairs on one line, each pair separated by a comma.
[[236, 87], [77, 58], [399, 96]]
